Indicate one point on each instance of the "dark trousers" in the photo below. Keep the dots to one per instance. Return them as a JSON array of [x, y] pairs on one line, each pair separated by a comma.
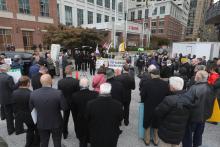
[[66, 120], [193, 135], [2, 113], [8, 112], [45, 136], [126, 106], [32, 136], [84, 66], [83, 142], [92, 70]]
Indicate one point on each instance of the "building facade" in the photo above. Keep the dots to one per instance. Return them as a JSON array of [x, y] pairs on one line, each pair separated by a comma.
[[196, 20], [107, 15], [165, 18], [23, 22]]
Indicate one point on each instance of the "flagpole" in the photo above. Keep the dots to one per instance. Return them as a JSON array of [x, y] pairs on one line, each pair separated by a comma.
[[114, 31]]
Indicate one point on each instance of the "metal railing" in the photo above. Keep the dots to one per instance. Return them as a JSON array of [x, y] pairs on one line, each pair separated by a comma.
[[213, 13]]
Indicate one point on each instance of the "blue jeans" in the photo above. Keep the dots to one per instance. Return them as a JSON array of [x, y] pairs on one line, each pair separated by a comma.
[[193, 135]]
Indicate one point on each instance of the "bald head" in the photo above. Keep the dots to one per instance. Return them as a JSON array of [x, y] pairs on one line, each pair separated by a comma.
[[46, 80], [84, 83]]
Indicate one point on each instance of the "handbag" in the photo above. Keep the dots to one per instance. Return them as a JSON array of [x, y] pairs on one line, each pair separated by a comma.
[[216, 113]]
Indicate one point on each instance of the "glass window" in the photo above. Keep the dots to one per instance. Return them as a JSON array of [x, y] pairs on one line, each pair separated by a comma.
[[3, 5], [5, 39], [160, 31], [24, 6], [107, 3], [113, 18], [113, 4], [99, 18], [68, 16], [139, 14], [132, 16], [79, 17], [153, 31], [162, 10], [91, 1], [106, 18], [90, 17], [44, 8], [58, 11], [154, 24], [146, 13], [27, 39], [161, 23], [120, 7], [155, 11], [99, 2]]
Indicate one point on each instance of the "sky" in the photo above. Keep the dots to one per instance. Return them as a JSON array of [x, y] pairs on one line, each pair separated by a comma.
[[216, 0]]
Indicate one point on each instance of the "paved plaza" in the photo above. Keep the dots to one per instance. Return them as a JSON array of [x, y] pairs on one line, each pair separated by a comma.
[[129, 137]]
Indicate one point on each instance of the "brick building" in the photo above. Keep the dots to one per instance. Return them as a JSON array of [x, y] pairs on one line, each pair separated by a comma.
[[23, 22]]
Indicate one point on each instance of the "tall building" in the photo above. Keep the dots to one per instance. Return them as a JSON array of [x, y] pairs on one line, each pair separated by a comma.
[[196, 18], [164, 18], [23, 22], [107, 15]]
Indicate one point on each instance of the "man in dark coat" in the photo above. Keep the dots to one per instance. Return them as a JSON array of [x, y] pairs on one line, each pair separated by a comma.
[[92, 63], [117, 91], [68, 86], [20, 98], [6, 88], [104, 116], [203, 97], [173, 113], [140, 64], [48, 103], [78, 103], [153, 92], [35, 80], [128, 84]]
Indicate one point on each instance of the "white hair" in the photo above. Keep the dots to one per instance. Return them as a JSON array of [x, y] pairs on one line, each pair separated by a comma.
[[177, 83], [105, 88], [84, 83], [151, 67]]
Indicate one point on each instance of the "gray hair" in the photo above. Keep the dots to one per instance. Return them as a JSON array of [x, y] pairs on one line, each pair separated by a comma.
[[151, 67], [201, 76], [84, 83], [105, 88], [177, 83]]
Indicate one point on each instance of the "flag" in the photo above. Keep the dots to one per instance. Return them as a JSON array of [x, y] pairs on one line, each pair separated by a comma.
[[122, 47], [110, 45], [97, 50]]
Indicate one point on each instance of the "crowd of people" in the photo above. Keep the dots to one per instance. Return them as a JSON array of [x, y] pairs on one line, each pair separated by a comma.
[[178, 95]]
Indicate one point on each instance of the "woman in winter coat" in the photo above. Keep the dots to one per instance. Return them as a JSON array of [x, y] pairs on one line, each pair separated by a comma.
[[99, 79]]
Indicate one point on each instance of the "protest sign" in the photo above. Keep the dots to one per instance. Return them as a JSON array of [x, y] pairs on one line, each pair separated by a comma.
[[15, 73], [113, 63]]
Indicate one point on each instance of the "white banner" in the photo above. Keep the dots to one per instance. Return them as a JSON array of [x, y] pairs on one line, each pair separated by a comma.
[[113, 63], [55, 51], [15, 73]]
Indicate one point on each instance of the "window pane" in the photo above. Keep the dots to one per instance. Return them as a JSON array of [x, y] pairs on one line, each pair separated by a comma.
[[5, 38], [106, 18], [113, 4], [107, 3], [91, 1], [99, 18], [139, 14], [132, 16], [120, 7], [3, 5], [99, 2], [68, 15], [79, 17], [155, 11], [146, 13], [162, 10], [90, 17], [44, 8], [24, 6]]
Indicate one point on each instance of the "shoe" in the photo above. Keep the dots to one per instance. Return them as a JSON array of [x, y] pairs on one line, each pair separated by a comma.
[[11, 132], [65, 135], [146, 143], [126, 123]]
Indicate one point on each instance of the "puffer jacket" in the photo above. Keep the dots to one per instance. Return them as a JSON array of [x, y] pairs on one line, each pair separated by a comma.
[[203, 97], [173, 114], [98, 79]]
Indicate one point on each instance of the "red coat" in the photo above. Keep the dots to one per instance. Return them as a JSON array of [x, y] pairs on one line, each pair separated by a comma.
[[212, 78]]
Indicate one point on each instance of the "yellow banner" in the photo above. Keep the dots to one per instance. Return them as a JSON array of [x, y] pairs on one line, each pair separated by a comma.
[[216, 113]]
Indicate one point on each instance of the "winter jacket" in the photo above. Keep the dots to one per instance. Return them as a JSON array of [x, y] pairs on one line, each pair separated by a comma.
[[203, 97], [212, 78], [173, 113]]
